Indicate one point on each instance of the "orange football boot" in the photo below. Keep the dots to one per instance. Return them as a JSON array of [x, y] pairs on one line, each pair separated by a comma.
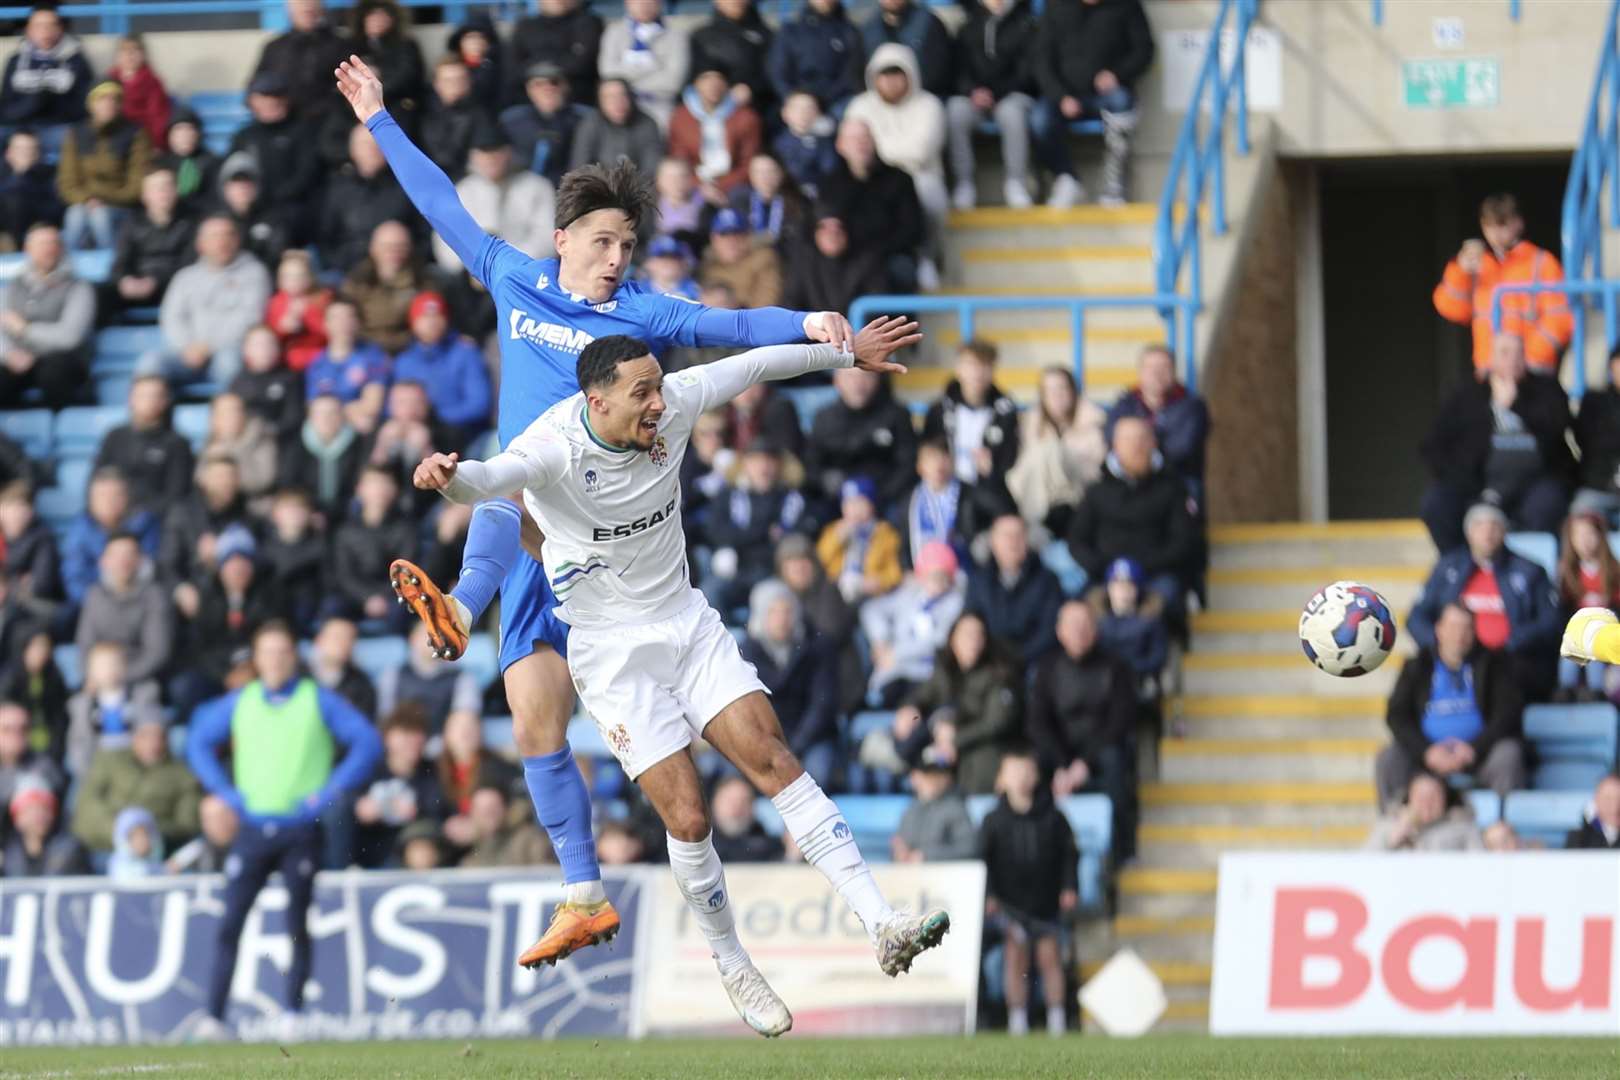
[[573, 927], [416, 590]]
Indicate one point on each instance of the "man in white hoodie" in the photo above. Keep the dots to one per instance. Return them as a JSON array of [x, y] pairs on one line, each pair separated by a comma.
[[908, 127]]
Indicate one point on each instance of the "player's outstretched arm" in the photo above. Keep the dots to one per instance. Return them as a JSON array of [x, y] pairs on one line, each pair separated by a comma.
[[527, 463], [723, 380], [429, 188]]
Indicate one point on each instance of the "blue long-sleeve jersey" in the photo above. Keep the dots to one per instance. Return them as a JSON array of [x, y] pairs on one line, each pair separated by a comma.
[[542, 326], [211, 729]]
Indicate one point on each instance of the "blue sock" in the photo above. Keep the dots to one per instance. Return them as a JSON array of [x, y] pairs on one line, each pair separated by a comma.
[[564, 808], [494, 541]]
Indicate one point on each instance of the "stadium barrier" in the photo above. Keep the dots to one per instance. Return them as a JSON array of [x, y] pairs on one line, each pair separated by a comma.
[[1442, 944], [431, 955]]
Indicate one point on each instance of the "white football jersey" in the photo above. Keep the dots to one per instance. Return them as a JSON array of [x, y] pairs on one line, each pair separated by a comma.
[[615, 549]]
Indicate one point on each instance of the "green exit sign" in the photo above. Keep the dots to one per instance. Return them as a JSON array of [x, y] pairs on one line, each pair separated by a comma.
[[1452, 83]]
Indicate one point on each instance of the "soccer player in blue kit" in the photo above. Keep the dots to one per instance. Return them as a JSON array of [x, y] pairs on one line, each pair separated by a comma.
[[548, 311]]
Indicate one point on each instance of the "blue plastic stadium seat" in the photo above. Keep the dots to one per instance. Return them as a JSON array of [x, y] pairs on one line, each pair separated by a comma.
[[192, 422], [1077, 127], [222, 113], [865, 723], [1539, 548], [58, 506], [809, 400], [979, 807], [118, 347], [1574, 744], [78, 431], [1092, 819], [68, 663], [112, 388], [1546, 815], [1487, 806], [31, 429], [481, 658], [94, 266], [177, 741], [872, 818], [498, 734], [377, 654], [586, 740]]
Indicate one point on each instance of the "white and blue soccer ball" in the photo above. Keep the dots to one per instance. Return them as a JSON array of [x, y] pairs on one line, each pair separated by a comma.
[[1346, 629]]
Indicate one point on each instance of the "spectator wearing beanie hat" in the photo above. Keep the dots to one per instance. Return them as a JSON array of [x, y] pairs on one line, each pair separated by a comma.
[[1131, 626], [448, 365], [752, 271], [39, 847], [667, 270]]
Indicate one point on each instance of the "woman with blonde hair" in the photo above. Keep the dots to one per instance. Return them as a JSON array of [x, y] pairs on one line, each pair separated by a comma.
[[1061, 452]]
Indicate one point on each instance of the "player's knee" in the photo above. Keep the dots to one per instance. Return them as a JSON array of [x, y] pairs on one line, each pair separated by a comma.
[[689, 824], [538, 731]]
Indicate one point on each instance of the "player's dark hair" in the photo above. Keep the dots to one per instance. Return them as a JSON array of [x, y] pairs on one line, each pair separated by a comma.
[[599, 361], [619, 186]]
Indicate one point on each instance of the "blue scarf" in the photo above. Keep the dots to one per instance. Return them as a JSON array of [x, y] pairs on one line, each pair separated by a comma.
[[933, 517], [764, 217]]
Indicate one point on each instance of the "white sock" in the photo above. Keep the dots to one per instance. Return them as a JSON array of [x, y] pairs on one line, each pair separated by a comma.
[[826, 842], [585, 892], [1017, 1020], [1055, 1020], [702, 880], [462, 612]]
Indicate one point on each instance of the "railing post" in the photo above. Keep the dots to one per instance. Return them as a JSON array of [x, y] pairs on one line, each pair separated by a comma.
[[1241, 75], [1378, 12], [964, 321], [1077, 335], [1188, 346]]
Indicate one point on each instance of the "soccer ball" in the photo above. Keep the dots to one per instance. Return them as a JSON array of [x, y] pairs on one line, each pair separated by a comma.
[[1346, 629]]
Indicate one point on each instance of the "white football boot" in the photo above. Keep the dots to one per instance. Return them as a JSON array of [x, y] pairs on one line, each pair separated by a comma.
[[905, 935], [756, 1002]]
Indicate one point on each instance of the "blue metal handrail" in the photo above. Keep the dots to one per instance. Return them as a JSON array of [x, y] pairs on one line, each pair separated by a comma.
[[114, 16], [1198, 163], [1178, 309], [1596, 162], [1378, 11], [1607, 289]]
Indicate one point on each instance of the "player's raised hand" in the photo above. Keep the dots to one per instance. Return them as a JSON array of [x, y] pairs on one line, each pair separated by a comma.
[[832, 328], [435, 472], [360, 85], [882, 338]]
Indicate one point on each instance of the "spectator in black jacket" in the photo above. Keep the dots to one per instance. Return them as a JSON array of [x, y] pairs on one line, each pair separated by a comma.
[[363, 546], [154, 243], [877, 202], [565, 33], [1602, 830], [746, 522], [303, 59], [804, 146], [1501, 440], [993, 80], [1031, 877], [284, 150], [1017, 597], [46, 80], [737, 42], [325, 458], [379, 33], [828, 273], [31, 562], [405, 787], [763, 412], [331, 663], [195, 167], [263, 228], [864, 433], [27, 188], [802, 677], [452, 118], [908, 23], [292, 558], [1456, 708], [1089, 55], [15, 464], [1082, 715], [978, 421], [154, 458], [270, 390], [362, 196], [738, 835], [193, 524], [542, 128], [820, 51], [943, 508], [829, 620], [1597, 434], [1136, 510], [233, 601]]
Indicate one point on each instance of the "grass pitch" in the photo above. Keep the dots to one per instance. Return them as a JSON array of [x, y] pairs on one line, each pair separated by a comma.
[[1167, 1057]]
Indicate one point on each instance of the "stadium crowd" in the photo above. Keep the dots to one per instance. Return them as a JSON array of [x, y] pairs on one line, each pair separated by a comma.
[[867, 559]]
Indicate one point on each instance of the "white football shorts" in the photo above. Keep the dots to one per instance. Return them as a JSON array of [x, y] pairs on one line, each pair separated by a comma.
[[652, 688]]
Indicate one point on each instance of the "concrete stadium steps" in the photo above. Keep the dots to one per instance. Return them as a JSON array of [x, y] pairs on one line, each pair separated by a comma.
[[1241, 590], [1325, 546], [1278, 716], [1280, 673], [1038, 268], [1341, 760]]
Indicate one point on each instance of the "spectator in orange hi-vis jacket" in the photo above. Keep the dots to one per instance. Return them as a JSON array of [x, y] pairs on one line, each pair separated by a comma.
[[1504, 257]]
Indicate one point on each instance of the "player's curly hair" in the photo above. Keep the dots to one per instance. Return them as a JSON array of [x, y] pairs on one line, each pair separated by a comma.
[[620, 186], [599, 361]]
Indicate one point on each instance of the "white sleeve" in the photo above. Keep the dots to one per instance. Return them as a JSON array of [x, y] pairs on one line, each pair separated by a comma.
[[702, 388], [532, 461]]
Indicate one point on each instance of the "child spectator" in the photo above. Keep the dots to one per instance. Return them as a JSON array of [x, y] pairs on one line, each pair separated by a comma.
[[668, 269], [235, 433], [616, 129], [195, 167], [354, 371], [363, 546], [47, 322], [325, 458], [858, 551], [154, 459], [137, 772], [46, 79], [978, 421], [936, 826], [738, 835], [99, 174], [746, 522], [35, 684], [908, 627], [39, 846], [27, 190], [770, 205], [1032, 868], [1131, 629], [154, 244], [108, 707], [107, 511], [1430, 819], [404, 789], [297, 311], [383, 285], [711, 132], [944, 509], [681, 205], [208, 308], [829, 274], [649, 53], [449, 367], [453, 116], [270, 391], [293, 558], [233, 602], [804, 146], [146, 102], [380, 31], [514, 204], [1016, 596], [800, 675], [30, 560], [752, 271], [137, 849], [1061, 450], [1588, 576], [478, 46]]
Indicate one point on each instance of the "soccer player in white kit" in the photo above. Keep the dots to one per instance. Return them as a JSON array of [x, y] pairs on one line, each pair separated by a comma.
[[652, 662]]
